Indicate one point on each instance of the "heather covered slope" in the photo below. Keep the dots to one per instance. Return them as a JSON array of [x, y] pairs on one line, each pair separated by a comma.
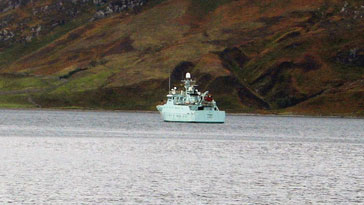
[[285, 56]]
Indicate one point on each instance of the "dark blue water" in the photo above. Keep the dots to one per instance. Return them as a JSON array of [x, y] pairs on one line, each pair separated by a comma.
[[132, 158]]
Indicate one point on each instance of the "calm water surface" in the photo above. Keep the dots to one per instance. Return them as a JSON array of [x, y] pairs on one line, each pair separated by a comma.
[[65, 157]]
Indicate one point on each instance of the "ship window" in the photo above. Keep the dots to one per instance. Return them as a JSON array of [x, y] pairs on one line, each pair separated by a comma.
[[200, 108]]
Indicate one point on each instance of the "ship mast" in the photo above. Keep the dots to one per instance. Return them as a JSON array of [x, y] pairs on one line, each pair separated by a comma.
[[169, 79], [169, 82]]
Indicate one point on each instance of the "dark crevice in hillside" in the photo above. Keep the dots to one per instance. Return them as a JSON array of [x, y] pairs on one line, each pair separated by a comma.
[[311, 96], [287, 97], [201, 8], [294, 45], [270, 78], [286, 101], [71, 73], [218, 42], [309, 63], [203, 80], [271, 20], [239, 36], [313, 19], [234, 60], [233, 57], [223, 86], [277, 86], [298, 14], [123, 45], [351, 57], [180, 70], [289, 35]]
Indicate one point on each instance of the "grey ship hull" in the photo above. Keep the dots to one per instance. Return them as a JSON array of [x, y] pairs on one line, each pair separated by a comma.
[[183, 113], [190, 105]]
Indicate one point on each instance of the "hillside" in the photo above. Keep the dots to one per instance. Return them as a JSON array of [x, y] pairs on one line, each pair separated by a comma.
[[271, 56]]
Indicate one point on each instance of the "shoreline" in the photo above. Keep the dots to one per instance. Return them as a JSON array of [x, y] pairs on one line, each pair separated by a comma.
[[153, 112]]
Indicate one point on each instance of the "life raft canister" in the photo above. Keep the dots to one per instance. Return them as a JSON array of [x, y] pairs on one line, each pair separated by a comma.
[[208, 98]]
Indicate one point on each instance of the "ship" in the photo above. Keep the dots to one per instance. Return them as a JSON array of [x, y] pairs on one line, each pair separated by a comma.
[[190, 105]]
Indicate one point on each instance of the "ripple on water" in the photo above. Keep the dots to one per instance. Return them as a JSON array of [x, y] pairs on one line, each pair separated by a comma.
[[129, 158]]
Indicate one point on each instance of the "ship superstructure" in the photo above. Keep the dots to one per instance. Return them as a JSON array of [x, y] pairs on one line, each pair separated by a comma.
[[190, 105]]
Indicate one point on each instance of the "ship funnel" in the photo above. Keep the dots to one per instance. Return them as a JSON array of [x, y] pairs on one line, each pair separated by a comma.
[[188, 75]]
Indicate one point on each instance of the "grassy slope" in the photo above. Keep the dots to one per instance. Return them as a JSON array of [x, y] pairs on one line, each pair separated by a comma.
[[289, 45]]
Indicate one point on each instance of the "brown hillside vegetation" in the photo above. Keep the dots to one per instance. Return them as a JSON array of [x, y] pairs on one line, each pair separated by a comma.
[[271, 56]]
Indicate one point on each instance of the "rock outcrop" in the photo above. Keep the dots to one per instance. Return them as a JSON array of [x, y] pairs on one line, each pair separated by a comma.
[[50, 15]]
